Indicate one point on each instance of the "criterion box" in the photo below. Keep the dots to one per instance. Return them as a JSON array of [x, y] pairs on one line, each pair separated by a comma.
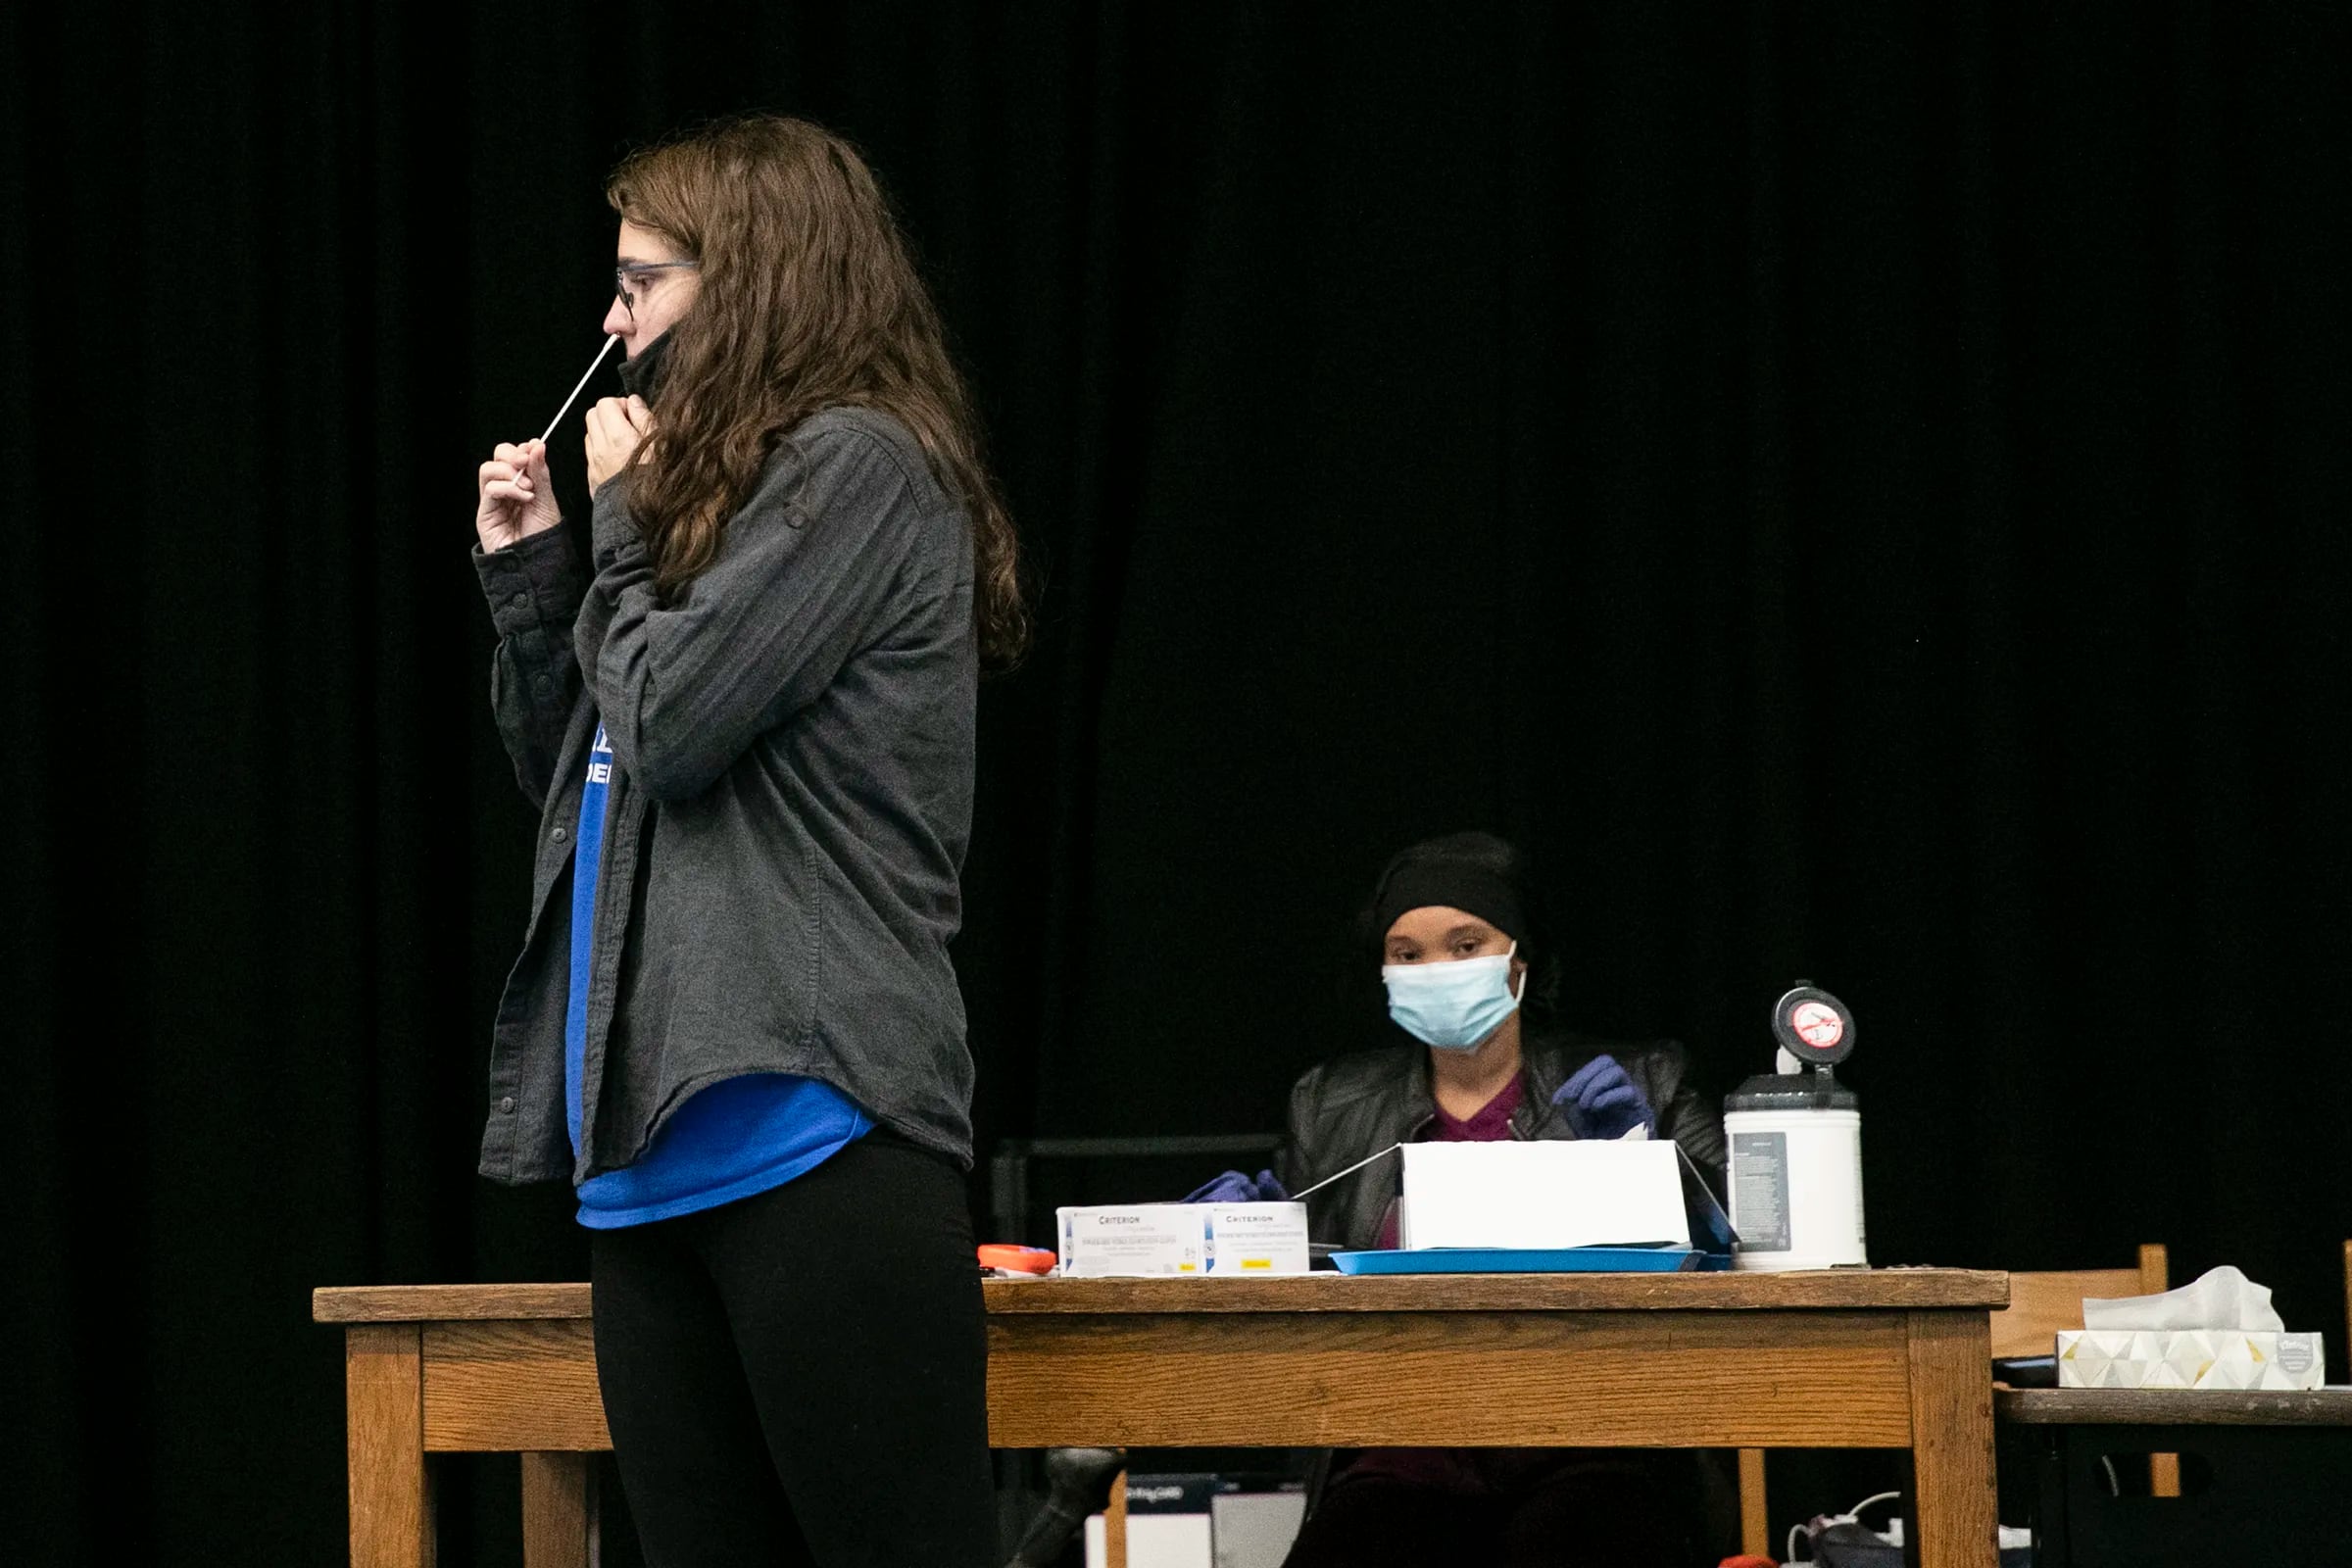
[[1134, 1240], [1148, 1240], [1257, 1237]]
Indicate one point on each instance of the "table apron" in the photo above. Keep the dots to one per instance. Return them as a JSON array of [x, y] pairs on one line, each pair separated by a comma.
[[1646, 1379], [1280, 1380], [513, 1385]]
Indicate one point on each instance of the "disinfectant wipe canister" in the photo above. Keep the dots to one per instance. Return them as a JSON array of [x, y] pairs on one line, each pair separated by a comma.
[[1796, 1138]]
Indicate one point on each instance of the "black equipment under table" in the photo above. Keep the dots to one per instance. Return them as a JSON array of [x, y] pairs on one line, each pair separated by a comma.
[[2266, 1475]]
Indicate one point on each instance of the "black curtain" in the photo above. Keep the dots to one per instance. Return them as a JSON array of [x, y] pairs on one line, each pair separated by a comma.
[[1855, 490]]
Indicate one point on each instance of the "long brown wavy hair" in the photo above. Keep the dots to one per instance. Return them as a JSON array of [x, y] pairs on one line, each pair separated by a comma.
[[808, 299]]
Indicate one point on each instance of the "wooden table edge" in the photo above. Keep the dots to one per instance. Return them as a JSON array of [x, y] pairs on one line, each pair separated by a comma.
[[1830, 1290], [426, 1303], [1811, 1290], [2175, 1408]]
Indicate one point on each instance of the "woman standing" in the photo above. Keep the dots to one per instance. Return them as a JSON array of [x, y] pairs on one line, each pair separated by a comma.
[[749, 726]]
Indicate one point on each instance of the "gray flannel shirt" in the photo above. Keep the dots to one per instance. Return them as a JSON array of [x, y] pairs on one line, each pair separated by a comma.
[[791, 797]]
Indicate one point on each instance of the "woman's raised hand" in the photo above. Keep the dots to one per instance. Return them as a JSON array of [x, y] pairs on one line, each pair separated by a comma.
[[1600, 1099], [616, 428], [516, 499]]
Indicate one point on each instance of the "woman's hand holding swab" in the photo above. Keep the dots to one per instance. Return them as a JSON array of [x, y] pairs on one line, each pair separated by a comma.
[[515, 497]]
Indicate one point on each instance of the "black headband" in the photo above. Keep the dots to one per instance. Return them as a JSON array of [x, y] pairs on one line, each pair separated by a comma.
[[1453, 885]]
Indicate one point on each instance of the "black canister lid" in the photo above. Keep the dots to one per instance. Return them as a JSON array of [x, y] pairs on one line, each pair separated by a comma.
[[1818, 1090]]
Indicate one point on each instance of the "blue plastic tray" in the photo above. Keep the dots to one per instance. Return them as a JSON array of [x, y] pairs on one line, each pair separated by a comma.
[[1531, 1260]]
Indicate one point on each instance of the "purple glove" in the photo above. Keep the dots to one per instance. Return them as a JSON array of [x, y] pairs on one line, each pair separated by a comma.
[[1233, 1186], [1600, 1101]]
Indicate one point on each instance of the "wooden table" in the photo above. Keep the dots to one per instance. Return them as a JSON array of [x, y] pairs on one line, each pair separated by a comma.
[[2261, 1473], [1852, 1358]]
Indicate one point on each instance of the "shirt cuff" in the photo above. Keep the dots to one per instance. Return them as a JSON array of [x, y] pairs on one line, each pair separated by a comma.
[[533, 582]]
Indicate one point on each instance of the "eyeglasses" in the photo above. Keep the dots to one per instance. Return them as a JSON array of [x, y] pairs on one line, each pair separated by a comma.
[[631, 283]]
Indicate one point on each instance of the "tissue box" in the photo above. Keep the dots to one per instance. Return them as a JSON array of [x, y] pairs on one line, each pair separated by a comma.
[[1153, 1239], [2189, 1358]]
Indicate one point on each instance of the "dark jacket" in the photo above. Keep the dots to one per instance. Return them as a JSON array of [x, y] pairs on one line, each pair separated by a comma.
[[792, 791], [1356, 1106]]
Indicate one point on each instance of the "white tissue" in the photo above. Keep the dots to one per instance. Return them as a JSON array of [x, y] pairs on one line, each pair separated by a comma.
[[2219, 1299]]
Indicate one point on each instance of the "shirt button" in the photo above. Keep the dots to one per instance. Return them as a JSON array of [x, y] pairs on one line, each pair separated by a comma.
[[540, 683], [559, 835], [522, 600], [507, 1105]]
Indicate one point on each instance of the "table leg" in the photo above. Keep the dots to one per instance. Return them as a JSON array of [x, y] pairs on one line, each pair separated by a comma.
[[1755, 1528], [559, 1511], [391, 1495], [1953, 1513], [1115, 1523]]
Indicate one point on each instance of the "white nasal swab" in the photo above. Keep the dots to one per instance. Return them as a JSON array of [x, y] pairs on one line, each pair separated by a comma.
[[576, 391], [1349, 1171]]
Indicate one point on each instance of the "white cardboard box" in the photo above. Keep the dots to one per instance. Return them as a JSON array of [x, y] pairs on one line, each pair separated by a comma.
[[1257, 1237], [2189, 1358], [1254, 1529], [1156, 1541], [1156, 1238], [1544, 1193], [1198, 1520], [1134, 1238]]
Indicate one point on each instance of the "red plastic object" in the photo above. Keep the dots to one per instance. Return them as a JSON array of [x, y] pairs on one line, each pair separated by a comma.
[[1016, 1259], [1744, 1560]]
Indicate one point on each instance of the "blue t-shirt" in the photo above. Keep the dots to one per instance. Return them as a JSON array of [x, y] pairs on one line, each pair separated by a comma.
[[738, 1137]]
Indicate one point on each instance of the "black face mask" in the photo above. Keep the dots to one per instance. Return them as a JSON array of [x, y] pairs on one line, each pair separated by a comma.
[[641, 377]]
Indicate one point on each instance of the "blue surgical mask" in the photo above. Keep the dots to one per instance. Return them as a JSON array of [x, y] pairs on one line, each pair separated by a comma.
[[1452, 1006]]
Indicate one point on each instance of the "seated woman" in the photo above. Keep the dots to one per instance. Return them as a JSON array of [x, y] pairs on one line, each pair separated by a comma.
[[1471, 978]]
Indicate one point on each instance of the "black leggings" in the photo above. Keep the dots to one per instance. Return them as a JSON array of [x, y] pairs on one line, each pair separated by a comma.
[[801, 1376]]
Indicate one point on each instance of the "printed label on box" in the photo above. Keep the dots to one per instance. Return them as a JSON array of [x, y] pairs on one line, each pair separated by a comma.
[[1257, 1238], [1139, 1239]]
